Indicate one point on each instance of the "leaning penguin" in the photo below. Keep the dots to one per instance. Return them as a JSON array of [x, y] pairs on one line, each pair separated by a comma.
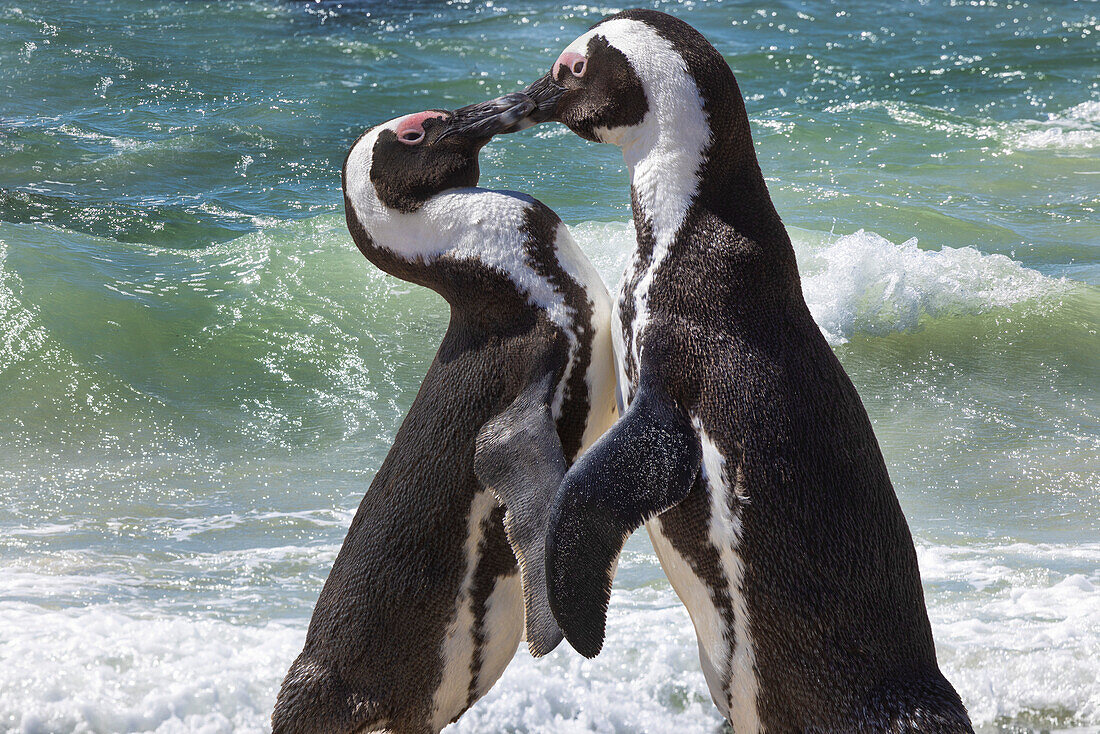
[[744, 448], [426, 603]]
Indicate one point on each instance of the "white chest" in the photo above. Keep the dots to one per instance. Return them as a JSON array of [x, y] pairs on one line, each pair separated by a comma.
[[717, 606], [464, 656]]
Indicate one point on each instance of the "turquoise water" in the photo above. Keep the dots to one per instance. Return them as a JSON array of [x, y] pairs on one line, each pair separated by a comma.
[[200, 374]]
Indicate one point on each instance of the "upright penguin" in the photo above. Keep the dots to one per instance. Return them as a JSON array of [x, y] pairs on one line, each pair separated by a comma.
[[424, 606], [745, 447]]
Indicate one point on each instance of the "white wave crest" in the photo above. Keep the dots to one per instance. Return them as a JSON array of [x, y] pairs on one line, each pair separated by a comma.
[[863, 283], [1077, 127]]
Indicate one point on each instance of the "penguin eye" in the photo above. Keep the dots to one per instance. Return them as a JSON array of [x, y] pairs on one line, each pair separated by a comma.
[[571, 61], [411, 137]]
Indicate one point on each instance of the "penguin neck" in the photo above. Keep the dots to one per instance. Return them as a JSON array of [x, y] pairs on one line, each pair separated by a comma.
[[467, 246], [693, 156], [664, 155], [673, 173]]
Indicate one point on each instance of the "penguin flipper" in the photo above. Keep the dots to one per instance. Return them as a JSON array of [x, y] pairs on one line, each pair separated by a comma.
[[520, 459], [645, 464]]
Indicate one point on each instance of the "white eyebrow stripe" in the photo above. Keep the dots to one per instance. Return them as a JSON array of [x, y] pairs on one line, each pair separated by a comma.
[[472, 224]]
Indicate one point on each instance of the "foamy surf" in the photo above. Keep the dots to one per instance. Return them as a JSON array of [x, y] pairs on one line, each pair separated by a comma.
[[1016, 628], [862, 283], [111, 669]]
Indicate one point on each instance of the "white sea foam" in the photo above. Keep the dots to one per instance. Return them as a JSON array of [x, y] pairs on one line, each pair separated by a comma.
[[1017, 629], [108, 669], [118, 669], [1024, 635], [863, 283]]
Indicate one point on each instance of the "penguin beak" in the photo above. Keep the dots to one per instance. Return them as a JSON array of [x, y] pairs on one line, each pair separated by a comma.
[[510, 113], [545, 93], [483, 120]]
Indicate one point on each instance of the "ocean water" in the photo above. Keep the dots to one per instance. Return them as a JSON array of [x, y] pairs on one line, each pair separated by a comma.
[[199, 374]]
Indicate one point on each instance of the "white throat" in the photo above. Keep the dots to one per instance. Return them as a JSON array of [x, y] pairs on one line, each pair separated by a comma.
[[665, 154], [665, 151], [451, 222]]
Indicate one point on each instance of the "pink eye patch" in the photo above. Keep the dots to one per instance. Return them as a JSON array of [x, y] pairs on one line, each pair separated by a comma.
[[575, 62], [410, 129]]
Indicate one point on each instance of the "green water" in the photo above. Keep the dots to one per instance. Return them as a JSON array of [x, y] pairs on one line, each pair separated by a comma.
[[200, 373]]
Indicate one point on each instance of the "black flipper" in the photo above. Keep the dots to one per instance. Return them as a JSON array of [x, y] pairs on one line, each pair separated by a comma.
[[644, 465], [520, 459]]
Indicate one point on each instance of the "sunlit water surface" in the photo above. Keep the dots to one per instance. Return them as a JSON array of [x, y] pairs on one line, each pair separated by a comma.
[[201, 375]]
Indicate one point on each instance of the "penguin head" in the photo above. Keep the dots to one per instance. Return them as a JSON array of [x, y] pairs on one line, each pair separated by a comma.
[[395, 170], [412, 158], [593, 88], [654, 86], [637, 74]]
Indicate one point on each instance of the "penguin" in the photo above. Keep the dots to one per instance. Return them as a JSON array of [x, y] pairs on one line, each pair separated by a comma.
[[744, 447], [441, 572]]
